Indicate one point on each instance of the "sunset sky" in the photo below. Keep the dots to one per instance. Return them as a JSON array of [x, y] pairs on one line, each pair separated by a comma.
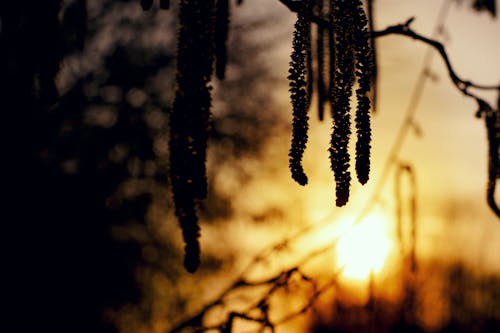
[[149, 192], [448, 155]]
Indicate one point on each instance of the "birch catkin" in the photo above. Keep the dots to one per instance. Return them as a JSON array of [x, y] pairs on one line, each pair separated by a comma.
[[299, 93], [320, 55], [364, 73], [340, 90], [189, 120]]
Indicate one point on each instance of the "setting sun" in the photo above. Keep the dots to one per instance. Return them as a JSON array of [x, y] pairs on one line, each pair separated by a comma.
[[364, 249]]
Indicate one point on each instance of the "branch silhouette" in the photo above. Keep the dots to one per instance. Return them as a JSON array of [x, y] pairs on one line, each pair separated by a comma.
[[462, 84], [404, 29], [276, 282]]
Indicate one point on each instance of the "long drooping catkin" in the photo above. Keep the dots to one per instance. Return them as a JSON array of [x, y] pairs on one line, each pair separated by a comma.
[[189, 119], [320, 55], [331, 50], [350, 58], [364, 70], [299, 93], [373, 45], [340, 91], [309, 62]]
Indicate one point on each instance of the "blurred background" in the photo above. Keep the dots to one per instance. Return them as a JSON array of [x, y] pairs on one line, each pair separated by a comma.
[[415, 250]]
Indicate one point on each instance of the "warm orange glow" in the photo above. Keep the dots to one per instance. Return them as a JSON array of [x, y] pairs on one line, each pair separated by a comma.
[[364, 248]]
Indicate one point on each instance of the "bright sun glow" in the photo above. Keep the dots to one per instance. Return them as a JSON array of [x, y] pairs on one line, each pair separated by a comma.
[[364, 249]]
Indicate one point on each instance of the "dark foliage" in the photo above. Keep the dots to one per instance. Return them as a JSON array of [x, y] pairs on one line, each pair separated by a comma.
[[68, 267], [31, 47]]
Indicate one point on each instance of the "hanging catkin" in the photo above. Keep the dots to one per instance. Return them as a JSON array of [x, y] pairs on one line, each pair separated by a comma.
[[331, 53], [221, 35], [320, 56], [299, 93], [189, 119], [373, 45], [340, 90], [364, 70], [309, 63]]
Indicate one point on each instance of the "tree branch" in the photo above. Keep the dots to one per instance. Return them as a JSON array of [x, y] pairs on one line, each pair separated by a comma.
[[405, 30], [461, 84], [279, 281]]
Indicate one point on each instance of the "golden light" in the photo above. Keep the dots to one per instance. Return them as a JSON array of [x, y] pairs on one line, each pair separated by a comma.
[[364, 248]]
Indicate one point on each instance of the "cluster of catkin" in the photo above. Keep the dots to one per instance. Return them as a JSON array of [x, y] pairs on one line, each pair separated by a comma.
[[201, 52], [350, 59], [201, 44]]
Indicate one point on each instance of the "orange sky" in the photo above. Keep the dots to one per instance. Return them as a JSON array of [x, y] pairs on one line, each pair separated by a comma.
[[450, 156]]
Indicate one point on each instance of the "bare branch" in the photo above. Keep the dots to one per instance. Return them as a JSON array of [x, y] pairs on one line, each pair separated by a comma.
[[461, 84], [405, 30], [278, 281]]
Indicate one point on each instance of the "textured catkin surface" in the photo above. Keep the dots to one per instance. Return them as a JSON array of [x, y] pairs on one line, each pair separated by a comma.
[[189, 120], [299, 93], [351, 59], [340, 91], [364, 72]]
